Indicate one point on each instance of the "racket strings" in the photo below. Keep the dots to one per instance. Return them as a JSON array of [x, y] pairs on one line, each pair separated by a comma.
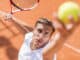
[[24, 4]]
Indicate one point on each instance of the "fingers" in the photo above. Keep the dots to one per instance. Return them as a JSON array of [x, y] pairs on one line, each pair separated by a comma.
[[71, 19], [57, 23], [8, 17], [72, 22], [60, 25]]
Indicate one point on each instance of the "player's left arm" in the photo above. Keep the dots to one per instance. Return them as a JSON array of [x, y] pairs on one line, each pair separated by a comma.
[[58, 40], [54, 45], [55, 42]]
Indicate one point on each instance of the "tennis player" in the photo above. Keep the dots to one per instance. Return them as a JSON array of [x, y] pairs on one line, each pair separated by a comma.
[[41, 43]]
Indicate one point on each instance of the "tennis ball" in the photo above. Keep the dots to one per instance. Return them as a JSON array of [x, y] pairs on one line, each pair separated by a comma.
[[66, 9]]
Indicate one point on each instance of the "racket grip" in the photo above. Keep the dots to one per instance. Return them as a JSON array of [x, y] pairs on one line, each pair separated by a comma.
[[5, 16]]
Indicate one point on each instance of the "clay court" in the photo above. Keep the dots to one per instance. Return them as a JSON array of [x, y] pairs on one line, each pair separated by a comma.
[[11, 37]]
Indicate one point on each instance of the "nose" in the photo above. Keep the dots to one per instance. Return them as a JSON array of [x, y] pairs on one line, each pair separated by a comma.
[[40, 36]]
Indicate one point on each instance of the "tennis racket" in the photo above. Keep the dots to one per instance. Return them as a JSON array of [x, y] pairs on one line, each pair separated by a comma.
[[18, 6], [23, 5]]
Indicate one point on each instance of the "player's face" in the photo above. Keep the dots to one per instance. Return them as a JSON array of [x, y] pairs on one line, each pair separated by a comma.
[[41, 35]]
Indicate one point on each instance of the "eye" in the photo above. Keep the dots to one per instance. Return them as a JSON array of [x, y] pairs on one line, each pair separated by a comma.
[[40, 30], [46, 33]]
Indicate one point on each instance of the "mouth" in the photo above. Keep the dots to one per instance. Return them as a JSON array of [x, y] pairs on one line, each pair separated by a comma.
[[37, 43], [39, 40]]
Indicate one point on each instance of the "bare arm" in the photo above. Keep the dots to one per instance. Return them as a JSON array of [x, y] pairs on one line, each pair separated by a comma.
[[56, 43], [21, 26]]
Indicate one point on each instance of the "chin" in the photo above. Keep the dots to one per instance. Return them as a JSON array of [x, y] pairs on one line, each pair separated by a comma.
[[40, 47]]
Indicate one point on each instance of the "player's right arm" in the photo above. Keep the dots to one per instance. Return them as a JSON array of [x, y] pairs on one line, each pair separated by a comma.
[[22, 27]]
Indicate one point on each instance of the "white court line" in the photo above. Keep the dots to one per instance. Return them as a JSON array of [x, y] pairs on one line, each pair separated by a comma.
[[69, 46], [55, 57], [73, 48]]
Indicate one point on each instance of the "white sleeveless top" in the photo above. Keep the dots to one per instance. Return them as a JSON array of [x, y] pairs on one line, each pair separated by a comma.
[[26, 53]]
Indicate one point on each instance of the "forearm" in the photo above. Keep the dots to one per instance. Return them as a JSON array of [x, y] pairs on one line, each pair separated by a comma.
[[54, 45], [18, 23], [20, 27]]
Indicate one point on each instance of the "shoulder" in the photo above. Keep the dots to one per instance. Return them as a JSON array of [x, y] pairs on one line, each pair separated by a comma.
[[29, 34], [28, 37]]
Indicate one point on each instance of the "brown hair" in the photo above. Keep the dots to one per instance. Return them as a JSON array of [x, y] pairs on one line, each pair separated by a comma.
[[46, 22]]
